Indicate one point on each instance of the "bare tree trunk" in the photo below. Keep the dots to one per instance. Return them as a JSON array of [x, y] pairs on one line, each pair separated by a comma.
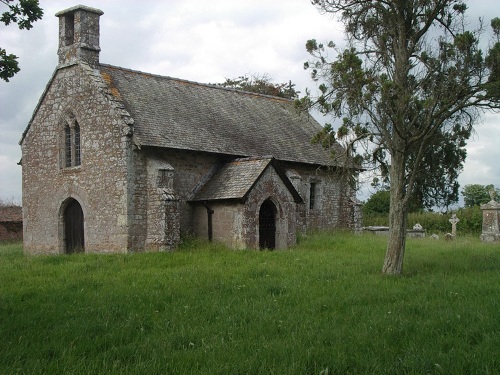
[[398, 217]]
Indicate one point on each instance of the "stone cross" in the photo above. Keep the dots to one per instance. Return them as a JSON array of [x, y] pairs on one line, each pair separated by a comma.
[[454, 220], [492, 194]]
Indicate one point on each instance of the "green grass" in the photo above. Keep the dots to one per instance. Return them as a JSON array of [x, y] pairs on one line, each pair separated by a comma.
[[321, 308]]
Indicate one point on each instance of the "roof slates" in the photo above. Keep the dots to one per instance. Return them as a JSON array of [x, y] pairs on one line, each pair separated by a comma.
[[179, 114]]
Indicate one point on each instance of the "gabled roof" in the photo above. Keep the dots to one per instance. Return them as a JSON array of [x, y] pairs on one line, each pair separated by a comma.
[[235, 180], [180, 114]]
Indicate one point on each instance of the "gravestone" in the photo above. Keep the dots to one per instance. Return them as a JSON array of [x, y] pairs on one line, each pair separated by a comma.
[[491, 220], [454, 221]]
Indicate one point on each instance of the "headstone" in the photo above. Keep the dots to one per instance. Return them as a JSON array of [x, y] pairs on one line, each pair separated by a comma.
[[491, 220], [434, 236], [454, 220], [417, 227]]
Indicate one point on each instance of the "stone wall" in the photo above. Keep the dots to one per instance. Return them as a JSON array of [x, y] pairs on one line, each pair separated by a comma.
[[11, 223], [152, 201], [11, 231], [99, 184], [333, 207], [236, 223], [226, 223], [271, 186]]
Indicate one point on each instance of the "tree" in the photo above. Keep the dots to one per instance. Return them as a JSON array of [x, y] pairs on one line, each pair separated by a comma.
[[261, 85], [378, 203], [25, 13], [411, 74], [436, 184], [476, 195]]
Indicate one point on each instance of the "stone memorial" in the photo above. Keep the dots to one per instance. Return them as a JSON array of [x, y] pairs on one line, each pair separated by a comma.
[[491, 220], [454, 221]]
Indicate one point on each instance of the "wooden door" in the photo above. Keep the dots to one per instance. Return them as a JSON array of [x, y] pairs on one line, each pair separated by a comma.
[[267, 225], [74, 228]]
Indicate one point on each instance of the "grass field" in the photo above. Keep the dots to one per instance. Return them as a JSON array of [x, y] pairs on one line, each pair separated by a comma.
[[321, 308]]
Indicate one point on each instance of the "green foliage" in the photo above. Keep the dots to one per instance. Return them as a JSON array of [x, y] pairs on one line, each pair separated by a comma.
[[378, 203], [495, 25], [24, 13], [493, 62], [471, 221], [261, 85], [413, 78], [436, 184], [319, 308], [476, 194], [9, 65]]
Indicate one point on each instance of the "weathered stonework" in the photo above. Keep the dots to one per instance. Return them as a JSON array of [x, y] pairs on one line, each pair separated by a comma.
[[491, 222], [79, 35], [104, 172], [236, 223], [11, 223], [98, 184]]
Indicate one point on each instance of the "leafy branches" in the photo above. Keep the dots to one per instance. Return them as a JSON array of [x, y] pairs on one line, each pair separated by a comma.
[[409, 86], [261, 84], [24, 13]]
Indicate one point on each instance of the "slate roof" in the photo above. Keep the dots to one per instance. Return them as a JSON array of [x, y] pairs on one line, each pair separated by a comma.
[[235, 179], [174, 113]]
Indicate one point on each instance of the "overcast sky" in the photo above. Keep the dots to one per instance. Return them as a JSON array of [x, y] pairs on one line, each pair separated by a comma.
[[199, 40]]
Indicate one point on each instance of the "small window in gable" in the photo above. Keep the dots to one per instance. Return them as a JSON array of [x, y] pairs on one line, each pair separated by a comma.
[[72, 143]]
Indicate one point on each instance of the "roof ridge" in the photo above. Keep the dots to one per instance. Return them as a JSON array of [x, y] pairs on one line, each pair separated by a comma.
[[208, 85], [253, 158]]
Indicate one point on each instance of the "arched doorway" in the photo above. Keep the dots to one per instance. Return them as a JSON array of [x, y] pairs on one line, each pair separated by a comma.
[[73, 227], [267, 225]]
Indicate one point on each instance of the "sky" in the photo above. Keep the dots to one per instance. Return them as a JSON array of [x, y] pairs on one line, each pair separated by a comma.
[[202, 41]]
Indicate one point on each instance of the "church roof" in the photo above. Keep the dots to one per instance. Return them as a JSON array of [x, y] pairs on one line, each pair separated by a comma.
[[234, 180], [174, 113]]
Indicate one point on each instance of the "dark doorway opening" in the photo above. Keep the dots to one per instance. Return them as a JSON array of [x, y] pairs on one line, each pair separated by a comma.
[[73, 227], [267, 225]]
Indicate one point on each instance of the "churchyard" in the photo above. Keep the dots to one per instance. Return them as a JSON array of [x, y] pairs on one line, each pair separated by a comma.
[[322, 307]]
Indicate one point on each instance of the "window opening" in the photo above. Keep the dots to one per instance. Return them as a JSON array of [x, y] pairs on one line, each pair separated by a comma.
[[72, 144], [67, 146], [69, 35], [165, 179], [312, 195], [78, 156]]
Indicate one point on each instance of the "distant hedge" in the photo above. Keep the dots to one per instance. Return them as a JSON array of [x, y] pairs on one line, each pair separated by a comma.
[[471, 221]]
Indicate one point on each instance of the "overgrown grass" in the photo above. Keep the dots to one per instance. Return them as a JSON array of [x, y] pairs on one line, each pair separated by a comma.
[[321, 308]]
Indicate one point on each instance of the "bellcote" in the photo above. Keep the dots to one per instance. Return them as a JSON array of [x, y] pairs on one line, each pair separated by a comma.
[[79, 35]]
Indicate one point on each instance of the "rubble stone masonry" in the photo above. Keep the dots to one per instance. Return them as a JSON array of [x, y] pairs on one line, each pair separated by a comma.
[[99, 184]]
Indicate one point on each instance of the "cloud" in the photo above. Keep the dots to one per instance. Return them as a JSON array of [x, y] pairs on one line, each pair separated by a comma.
[[482, 166], [205, 41]]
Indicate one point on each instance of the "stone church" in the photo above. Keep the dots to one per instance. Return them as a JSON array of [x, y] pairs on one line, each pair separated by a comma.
[[118, 160]]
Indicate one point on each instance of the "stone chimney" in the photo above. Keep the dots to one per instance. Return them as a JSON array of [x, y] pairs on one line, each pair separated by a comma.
[[79, 35]]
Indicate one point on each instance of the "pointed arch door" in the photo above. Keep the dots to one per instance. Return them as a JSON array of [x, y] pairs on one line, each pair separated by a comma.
[[267, 225], [74, 227]]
